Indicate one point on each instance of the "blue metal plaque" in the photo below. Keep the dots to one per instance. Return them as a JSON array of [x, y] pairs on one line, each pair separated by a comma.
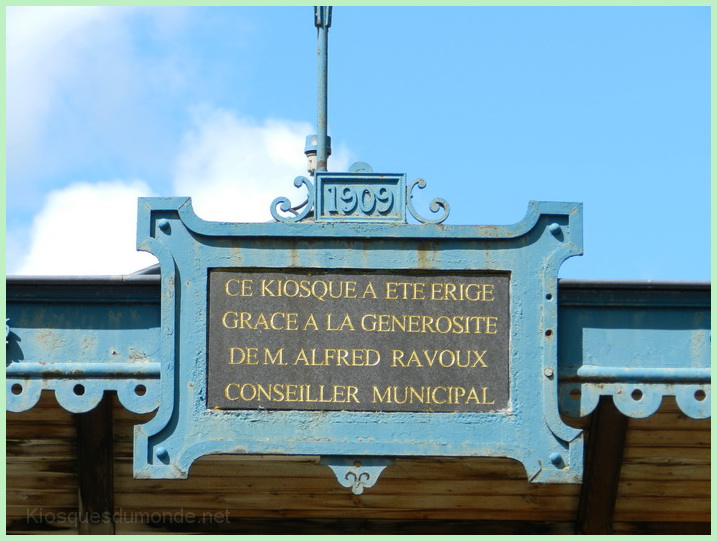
[[352, 197], [412, 278]]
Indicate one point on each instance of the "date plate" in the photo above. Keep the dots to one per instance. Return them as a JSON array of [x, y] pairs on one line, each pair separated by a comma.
[[368, 196]]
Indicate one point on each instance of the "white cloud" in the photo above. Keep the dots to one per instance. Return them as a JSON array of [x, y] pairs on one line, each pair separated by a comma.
[[234, 167], [79, 68], [79, 76], [88, 229], [45, 52]]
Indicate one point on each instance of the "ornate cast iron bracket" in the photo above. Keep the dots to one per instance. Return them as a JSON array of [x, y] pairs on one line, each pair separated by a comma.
[[356, 473], [359, 195], [283, 203], [435, 206]]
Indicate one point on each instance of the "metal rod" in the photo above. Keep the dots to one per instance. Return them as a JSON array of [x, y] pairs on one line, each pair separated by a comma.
[[322, 18], [83, 370], [617, 374]]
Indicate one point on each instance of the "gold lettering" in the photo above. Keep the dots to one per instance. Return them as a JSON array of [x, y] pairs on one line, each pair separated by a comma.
[[430, 360], [262, 391], [433, 395], [350, 290], [243, 355], [226, 391], [395, 395], [314, 361], [436, 289], [405, 291], [238, 288], [342, 356], [291, 322], [371, 327], [451, 358], [448, 291], [445, 322], [427, 324], [391, 290], [479, 358], [261, 320], [278, 321], [232, 324], [291, 390], [446, 358], [491, 325], [339, 393], [273, 323], [369, 291], [241, 288], [414, 323], [251, 388], [414, 359], [265, 288], [472, 396], [301, 357], [377, 395], [427, 395], [310, 321], [418, 395], [278, 357], [346, 324]]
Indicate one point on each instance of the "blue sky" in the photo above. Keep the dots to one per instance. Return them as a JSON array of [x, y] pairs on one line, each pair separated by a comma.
[[493, 106]]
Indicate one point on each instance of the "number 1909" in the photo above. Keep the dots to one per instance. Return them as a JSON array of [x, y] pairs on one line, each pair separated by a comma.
[[350, 200]]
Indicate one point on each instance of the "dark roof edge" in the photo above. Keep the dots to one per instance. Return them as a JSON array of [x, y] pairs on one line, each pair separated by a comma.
[[564, 283], [84, 280], [572, 283]]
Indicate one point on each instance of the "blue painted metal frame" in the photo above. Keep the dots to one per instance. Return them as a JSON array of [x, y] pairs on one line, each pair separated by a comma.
[[636, 346], [532, 251], [63, 328], [81, 340]]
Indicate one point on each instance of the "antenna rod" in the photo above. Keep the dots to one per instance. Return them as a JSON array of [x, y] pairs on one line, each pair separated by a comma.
[[322, 19]]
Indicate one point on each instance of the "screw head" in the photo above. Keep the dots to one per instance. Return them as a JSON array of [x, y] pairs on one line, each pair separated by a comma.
[[161, 453], [163, 224]]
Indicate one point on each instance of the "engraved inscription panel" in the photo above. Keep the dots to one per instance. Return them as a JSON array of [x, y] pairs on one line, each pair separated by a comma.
[[358, 341]]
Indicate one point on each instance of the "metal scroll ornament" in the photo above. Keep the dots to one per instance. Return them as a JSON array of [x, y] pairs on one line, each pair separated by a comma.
[[361, 183], [435, 206], [284, 205], [354, 473]]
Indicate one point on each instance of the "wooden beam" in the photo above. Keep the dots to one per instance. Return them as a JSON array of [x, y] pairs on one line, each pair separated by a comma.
[[603, 460], [95, 469]]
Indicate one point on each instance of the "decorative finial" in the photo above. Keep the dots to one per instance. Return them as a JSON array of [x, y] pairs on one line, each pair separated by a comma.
[[360, 194], [322, 20]]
